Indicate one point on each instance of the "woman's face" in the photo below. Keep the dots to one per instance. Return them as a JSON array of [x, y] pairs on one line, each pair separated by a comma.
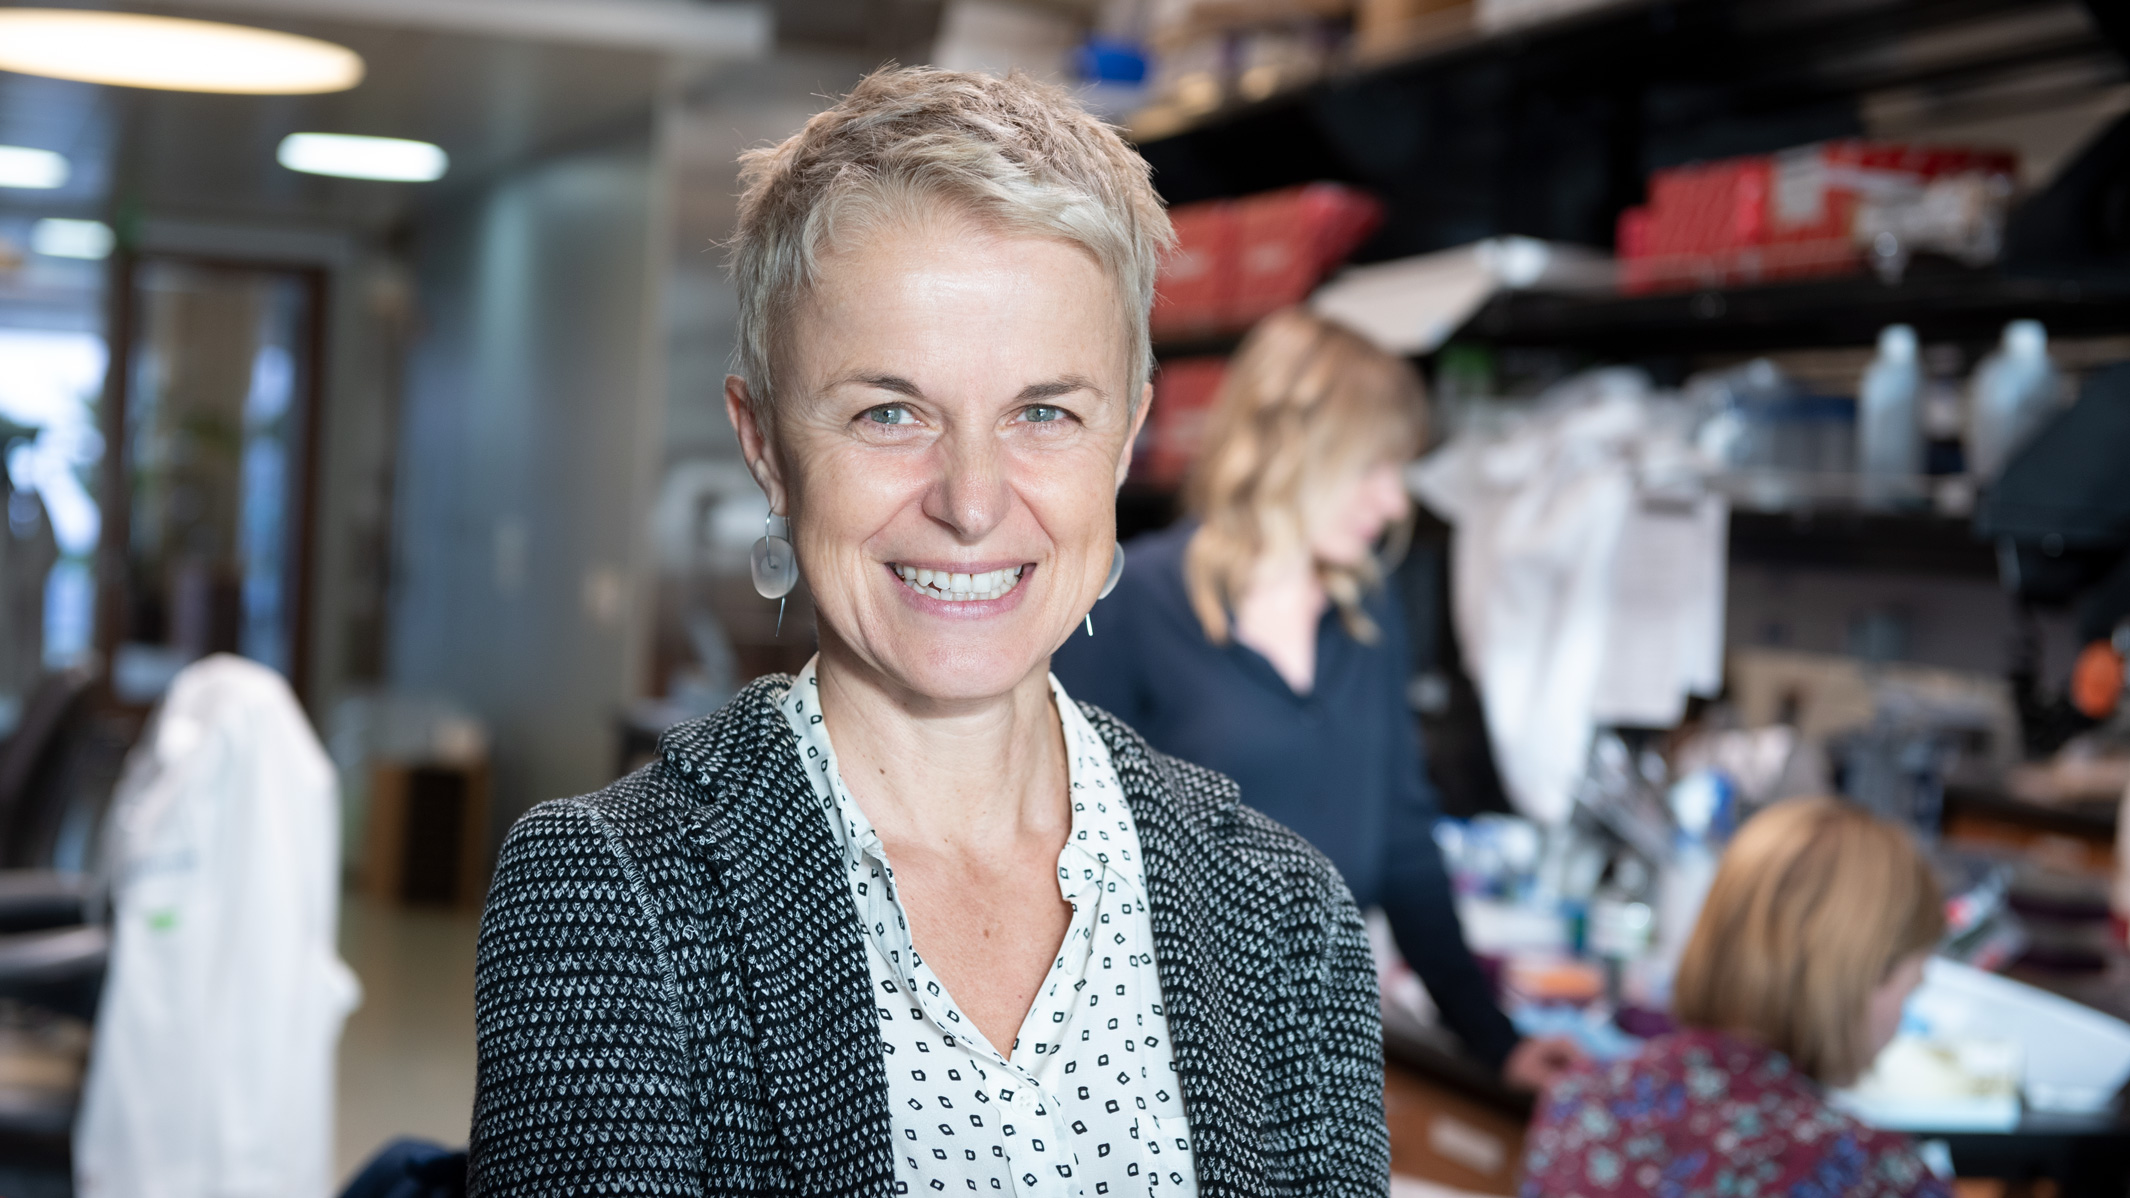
[[1344, 522], [953, 428], [1884, 1017]]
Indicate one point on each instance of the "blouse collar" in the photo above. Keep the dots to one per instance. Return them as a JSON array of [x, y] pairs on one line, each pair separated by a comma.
[[1101, 846]]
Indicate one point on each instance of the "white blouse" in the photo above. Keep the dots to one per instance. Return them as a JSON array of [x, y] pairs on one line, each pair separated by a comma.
[[1087, 1104]]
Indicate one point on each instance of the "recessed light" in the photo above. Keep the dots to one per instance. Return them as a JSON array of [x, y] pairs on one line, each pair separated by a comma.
[[351, 157], [55, 237], [171, 53], [21, 166]]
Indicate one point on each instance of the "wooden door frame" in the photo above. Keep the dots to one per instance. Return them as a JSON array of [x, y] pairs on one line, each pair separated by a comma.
[[116, 492]]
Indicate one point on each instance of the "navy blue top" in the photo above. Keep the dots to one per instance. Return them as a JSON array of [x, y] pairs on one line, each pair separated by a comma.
[[1340, 765]]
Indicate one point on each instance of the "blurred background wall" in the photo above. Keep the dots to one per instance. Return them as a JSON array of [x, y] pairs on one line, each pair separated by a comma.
[[530, 436]]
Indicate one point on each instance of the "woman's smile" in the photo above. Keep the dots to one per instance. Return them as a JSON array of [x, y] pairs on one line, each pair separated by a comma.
[[949, 585]]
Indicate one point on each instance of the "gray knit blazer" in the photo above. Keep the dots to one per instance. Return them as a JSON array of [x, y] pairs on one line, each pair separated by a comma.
[[673, 995]]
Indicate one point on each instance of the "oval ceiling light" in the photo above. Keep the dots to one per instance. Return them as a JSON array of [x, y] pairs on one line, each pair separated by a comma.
[[55, 237], [131, 50], [21, 166], [348, 156]]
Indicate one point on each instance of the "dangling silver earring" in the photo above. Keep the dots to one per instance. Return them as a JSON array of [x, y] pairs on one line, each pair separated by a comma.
[[774, 566], [1116, 571]]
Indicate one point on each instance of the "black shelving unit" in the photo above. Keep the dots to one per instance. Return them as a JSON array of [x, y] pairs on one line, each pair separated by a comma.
[[1943, 302], [1551, 131], [1944, 546]]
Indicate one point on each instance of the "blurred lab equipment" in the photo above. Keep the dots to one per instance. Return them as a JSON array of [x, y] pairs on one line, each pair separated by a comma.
[[1782, 444], [1889, 434], [2060, 518], [212, 1070], [2013, 394], [1819, 209]]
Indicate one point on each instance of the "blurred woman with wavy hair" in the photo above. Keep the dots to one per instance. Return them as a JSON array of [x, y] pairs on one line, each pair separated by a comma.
[[1254, 637]]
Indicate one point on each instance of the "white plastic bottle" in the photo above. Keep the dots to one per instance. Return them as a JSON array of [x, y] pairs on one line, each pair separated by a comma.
[[1889, 437], [2014, 393]]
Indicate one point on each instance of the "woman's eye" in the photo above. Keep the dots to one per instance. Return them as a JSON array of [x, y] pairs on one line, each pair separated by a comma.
[[893, 413], [1044, 414]]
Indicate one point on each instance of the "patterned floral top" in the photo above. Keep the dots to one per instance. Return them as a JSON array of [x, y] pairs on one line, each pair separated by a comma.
[[1702, 1112]]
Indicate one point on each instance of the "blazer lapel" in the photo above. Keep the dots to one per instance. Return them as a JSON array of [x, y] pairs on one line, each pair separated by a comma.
[[802, 956], [1209, 1023]]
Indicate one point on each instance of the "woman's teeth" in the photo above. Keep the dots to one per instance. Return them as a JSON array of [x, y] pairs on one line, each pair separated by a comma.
[[960, 588]]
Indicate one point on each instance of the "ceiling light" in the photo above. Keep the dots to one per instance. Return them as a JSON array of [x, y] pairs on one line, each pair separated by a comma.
[[352, 157], [57, 238], [130, 50], [21, 166]]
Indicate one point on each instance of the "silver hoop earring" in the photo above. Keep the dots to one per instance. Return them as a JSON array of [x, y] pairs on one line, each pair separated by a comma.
[[1116, 571], [774, 566]]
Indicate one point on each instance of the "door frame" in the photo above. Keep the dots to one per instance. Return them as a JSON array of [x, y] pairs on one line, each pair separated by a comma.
[[115, 496]]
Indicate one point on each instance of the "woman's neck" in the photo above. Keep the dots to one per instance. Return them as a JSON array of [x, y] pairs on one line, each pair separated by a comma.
[[1279, 613], [967, 777]]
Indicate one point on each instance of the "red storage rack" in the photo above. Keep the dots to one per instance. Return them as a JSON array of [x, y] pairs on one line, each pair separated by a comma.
[[1238, 261]]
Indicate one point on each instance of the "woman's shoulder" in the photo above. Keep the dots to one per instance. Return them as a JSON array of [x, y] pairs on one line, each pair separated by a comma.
[[709, 774], [1160, 551], [1200, 810], [1153, 569], [1715, 1108]]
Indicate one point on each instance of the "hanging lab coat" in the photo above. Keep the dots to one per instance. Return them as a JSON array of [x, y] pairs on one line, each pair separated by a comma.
[[211, 1074], [1588, 576]]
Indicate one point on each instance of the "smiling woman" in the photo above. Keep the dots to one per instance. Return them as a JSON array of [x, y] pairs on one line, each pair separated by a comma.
[[915, 920]]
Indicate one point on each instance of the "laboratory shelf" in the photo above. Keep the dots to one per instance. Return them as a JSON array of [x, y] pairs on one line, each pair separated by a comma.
[[1942, 301], [1824, 538], [1550, 130], [1848, 539]]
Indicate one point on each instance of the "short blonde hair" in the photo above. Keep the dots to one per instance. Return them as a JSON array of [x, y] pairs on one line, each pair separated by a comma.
[[1816, 902], [1305, 402], [1015, 154]]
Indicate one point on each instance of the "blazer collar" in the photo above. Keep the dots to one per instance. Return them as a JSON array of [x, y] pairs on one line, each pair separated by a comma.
[[1181, 845], [816, 1028], [809, 993]]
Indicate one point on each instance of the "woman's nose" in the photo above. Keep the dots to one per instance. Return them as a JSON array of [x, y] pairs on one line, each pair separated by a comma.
[[1391, 498], [970, 495]]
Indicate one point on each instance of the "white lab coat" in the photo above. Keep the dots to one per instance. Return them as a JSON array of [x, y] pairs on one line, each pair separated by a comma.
[[1588, 576], [211, 1074]]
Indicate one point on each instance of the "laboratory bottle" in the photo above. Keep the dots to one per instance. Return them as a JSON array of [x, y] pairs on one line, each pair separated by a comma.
[[2012, 395], [1889, 436]]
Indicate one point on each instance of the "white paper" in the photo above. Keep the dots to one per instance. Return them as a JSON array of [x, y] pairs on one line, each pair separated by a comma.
[[1413, 305], [1666, 636], [1920, 1084], [2076, 1058]]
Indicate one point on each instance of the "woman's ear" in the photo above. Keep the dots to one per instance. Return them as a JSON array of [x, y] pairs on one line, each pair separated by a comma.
[[754, 442], [1131, 438]]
